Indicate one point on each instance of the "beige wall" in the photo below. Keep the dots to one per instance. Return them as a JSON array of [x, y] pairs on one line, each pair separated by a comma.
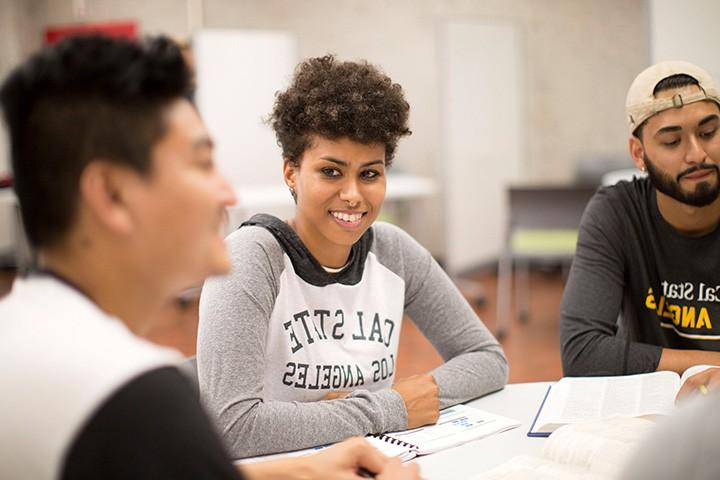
[[154, 16], [14, 29], [580, 56]]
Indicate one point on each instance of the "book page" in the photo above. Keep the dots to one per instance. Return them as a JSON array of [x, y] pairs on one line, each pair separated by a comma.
[[578, 399], [596, 450], [524, 467], [455, 426], [602, 447]]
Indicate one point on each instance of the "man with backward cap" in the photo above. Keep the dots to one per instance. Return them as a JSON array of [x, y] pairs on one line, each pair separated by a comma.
[[643, 292]]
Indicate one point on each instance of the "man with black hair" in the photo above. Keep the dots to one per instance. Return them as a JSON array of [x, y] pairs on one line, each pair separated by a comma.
[[122, 201], [644, 292]]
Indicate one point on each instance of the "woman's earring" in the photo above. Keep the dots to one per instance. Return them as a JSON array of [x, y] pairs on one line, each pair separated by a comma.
[[642, 169], [293, 194]]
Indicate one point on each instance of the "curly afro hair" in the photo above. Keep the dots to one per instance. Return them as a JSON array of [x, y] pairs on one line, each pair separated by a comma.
[[336, 99]]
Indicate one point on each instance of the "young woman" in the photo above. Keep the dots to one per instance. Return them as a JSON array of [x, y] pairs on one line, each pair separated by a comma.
[[298, 346]]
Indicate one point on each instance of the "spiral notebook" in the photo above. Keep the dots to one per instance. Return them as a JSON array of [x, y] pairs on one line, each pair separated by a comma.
[[392, 448], [455, 426]]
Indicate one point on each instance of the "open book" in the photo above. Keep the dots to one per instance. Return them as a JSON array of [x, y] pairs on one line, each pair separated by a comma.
[[455, 426], [580, 399], [596, 450]]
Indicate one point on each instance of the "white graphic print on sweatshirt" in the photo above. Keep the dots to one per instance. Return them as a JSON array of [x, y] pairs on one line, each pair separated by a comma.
[[348, 339]]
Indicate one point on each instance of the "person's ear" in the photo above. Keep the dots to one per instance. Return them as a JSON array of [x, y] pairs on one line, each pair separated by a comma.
[[637, 152], [290, 168], [102, 185]]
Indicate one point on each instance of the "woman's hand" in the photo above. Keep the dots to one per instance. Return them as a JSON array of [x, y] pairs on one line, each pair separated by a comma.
[[421, 396]]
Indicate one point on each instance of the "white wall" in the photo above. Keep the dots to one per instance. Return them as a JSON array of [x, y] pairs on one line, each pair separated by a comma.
[[235, 99], [686, 31], [483, 111]]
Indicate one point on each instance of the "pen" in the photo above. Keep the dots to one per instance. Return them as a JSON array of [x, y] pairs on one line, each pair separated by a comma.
[[365, 473]]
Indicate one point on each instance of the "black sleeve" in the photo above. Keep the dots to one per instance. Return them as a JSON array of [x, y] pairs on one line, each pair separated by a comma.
[[152, 428], [593, 297]]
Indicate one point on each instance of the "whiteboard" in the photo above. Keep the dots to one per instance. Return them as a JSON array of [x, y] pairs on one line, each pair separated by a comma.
[[238, 73]]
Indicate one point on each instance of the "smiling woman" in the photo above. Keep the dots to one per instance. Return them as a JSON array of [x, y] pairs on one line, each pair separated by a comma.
[[339, 191], [298, 346]]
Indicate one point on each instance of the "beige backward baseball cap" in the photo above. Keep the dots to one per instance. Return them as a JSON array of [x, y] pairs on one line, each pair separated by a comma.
[[641, 104]]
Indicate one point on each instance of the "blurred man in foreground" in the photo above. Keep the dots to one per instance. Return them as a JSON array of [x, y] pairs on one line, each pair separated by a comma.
[[122, 201]]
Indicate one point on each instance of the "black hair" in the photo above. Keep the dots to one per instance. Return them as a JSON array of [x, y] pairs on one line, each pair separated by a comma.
[[337, 99], [85, 98], [672, 82]]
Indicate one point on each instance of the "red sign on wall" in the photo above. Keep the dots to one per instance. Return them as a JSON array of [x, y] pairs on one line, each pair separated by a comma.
[[117, 29]]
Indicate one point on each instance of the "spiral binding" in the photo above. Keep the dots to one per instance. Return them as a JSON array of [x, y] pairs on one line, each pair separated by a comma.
[[394, 441]]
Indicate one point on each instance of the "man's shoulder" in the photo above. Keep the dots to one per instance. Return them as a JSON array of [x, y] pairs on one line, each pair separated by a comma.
[[635, 190], [64, 357], [50, 329], [51, 311], [626, 198]]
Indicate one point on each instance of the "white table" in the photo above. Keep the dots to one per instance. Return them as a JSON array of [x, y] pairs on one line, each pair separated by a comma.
[[518, 401]]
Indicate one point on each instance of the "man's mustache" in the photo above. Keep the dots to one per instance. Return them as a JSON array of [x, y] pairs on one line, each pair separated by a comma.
[[696, 168]]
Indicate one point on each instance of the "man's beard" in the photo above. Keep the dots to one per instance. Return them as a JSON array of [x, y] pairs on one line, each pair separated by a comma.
[[704, 194]]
